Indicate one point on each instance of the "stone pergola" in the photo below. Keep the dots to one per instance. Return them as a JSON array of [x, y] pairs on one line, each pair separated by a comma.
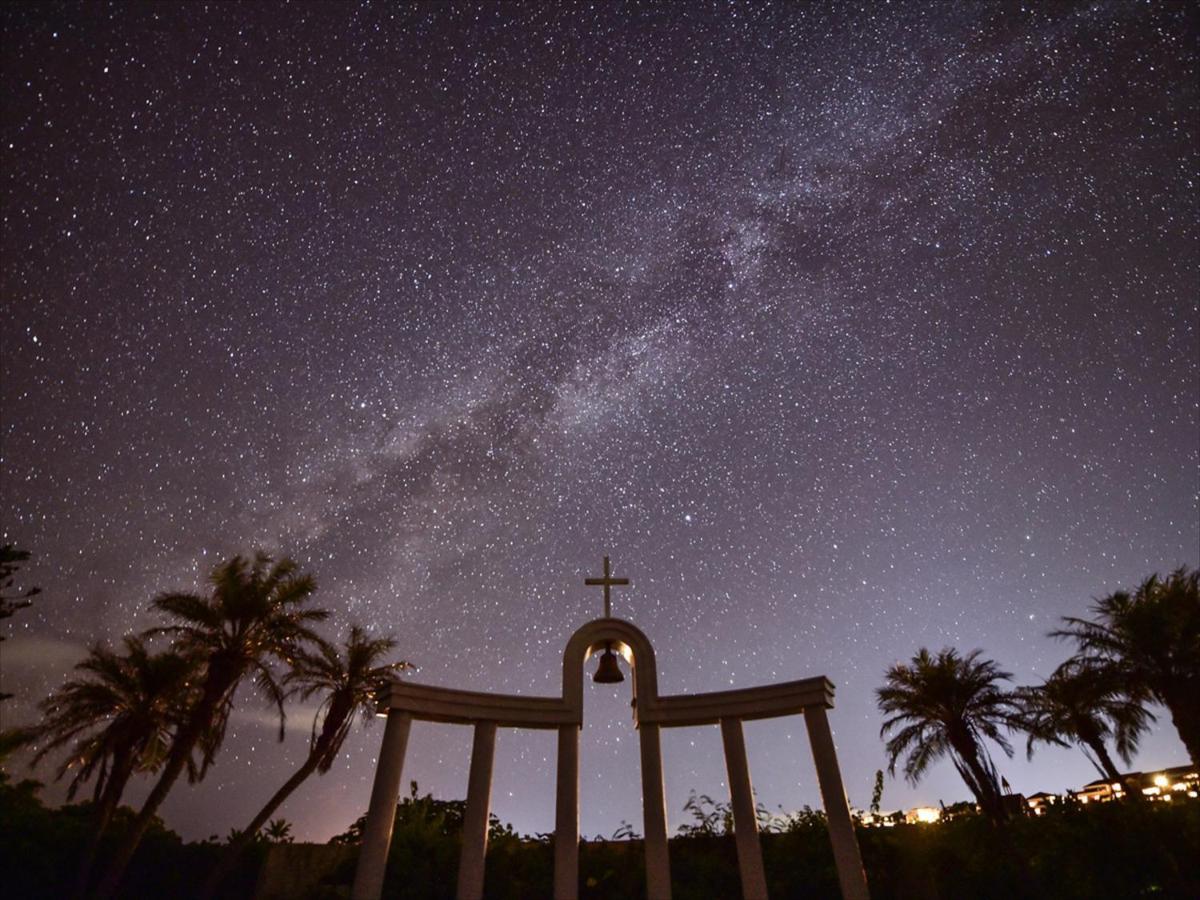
[[487, 712]]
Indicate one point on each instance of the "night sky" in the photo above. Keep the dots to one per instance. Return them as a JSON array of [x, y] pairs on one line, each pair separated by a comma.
[[843, 330]]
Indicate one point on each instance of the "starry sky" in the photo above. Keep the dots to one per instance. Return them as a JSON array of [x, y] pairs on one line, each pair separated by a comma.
[[842, 329]]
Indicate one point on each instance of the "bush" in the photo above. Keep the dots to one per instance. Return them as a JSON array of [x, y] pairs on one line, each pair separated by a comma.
[[40, 849], [1073, 852]]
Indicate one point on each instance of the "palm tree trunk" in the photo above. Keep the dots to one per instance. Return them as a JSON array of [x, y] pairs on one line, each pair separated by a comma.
[[181, 749], [987, 792], [992, 802], [129, 844], [106, 806], [1185, 716], [238, 846], [1107, 767], [326, 747], [969, 780]]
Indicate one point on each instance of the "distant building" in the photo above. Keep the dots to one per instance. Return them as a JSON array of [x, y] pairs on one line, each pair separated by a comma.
[[1099, 791], [1163, 784], [1180, 781], [922, 815], [881, 819], [1014, 804], [1159, 785], [1039, 802]]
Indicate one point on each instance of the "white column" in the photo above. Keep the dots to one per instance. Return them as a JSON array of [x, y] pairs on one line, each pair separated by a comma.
[[851, 875], [381, 814], [745, 821], [566, 818], [654, 815], [475, 820]]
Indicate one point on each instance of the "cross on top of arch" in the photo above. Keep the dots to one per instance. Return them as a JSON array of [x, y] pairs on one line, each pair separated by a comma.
[[607, 582]]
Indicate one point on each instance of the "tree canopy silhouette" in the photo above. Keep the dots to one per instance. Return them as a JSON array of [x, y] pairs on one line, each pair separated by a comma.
[[351, 681], [1087, 707], [947, 705], [1148, 642], [12, 600], [255, 615], [116, 718]]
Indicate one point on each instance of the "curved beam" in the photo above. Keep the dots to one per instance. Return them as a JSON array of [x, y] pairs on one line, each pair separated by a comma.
[[762, 702], [439, 704]]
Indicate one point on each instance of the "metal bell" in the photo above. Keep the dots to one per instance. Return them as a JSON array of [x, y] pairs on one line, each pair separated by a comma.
[[608, 672]]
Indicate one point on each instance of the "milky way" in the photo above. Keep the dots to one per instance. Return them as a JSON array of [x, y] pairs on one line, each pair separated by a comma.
[[842, 330]]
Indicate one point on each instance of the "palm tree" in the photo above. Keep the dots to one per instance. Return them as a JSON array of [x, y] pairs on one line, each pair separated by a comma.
[[351, 683], [1149, 641], [1085, 706], [254, 615], [278, 831], [117, 719], [945, 705]]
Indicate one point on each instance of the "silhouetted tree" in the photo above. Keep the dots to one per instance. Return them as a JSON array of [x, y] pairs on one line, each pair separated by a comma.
[[278, 831], [12, 600], [115, 719], [1085, 706], [1149, 642], [946, 705], [877, 792], [351, 682], [255, 615], [710, 817]]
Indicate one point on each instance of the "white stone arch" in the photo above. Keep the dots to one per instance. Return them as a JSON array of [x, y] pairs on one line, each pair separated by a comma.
[[597, 634], [405, 701], [628, 639]]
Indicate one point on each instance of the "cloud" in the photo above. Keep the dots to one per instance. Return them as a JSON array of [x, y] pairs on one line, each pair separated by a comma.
[[41, 654], [299, 718]]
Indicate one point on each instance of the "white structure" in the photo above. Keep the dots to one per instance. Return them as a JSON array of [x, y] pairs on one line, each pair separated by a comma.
[[487, 712]]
